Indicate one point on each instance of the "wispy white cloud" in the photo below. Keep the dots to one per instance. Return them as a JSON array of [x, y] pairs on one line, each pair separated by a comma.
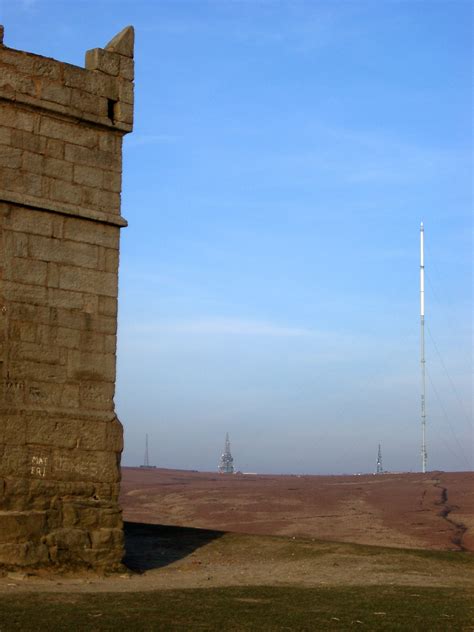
[[264, 23], [363, 157], [222, 326]]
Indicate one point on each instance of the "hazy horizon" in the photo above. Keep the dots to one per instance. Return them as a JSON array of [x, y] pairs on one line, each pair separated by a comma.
[[283, 156]]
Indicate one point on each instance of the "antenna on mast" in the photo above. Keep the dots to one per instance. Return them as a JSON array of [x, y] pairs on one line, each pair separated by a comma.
[[424, 455]]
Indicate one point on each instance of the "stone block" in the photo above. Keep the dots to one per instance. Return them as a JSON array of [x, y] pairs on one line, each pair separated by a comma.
[[109, 201], [56, 168], [104, 61], [22, 330], [28, 221], [115, 435], [32, 162], [92, 157], [53, 275], [126, 92], [90, 304], [111, 260], [24, 271], [13, 431], [16, 243], [111, 143], [26, 554], [66, 337], [92, 103], [108, 306], [21, 293], [123, 43], [55, 148], [87, 366], [70, 396], [12, 82], [69, 539], [26, 121], [65, 192], [16, 526], [75, 77], [87, 280], [92, 341], [90, 176], [28, 140], [32, 313], [110, 344], [45, 430], [11, 157], [106, 538], [93, 435], [5, 134], [63, 298], [36, 352], [25, 369], [15, 461], [127, 69], [49, 68], [20, 60], [53, 91], [90, 197], [112, 181], [97, 396], [63, 251], [124, 112]]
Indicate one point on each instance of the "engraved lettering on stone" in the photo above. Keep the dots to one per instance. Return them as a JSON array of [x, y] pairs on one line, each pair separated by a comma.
[[38, 466], [66, 465], [13, 386]]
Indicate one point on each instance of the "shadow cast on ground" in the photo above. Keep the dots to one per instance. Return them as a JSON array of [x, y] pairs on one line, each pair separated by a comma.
[[150, 546]]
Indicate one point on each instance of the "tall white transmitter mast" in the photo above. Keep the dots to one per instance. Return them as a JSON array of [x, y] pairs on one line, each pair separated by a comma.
[[424, 455]]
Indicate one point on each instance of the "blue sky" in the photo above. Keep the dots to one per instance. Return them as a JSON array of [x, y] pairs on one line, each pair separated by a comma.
[[283, 156]]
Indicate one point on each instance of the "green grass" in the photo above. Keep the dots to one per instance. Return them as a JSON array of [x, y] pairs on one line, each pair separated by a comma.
[[260, 609]]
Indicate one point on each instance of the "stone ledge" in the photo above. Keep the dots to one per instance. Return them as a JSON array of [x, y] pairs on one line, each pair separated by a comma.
[[66, 110], [30, 201]]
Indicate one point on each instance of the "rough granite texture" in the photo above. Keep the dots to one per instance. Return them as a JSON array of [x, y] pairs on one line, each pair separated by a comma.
[[61, 130]]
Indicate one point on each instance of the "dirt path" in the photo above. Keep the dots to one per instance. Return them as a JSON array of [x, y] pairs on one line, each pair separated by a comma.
[[447, 509]]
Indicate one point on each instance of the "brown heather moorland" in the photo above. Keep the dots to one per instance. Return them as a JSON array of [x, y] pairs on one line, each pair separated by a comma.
[[432, 511], [270, 553]]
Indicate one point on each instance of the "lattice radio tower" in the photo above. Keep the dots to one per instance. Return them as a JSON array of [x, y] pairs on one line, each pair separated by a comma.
[[146, 462], [379, 469], [226, 464]]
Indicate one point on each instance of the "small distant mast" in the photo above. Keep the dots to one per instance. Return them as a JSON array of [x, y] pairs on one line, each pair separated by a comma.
[[146, 462], [424, 455]]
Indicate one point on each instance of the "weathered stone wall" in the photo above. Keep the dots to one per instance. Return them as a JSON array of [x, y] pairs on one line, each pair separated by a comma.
[[61, 130]]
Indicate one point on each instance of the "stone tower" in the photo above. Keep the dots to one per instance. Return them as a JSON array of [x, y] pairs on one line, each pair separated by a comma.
[[61, 130]]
